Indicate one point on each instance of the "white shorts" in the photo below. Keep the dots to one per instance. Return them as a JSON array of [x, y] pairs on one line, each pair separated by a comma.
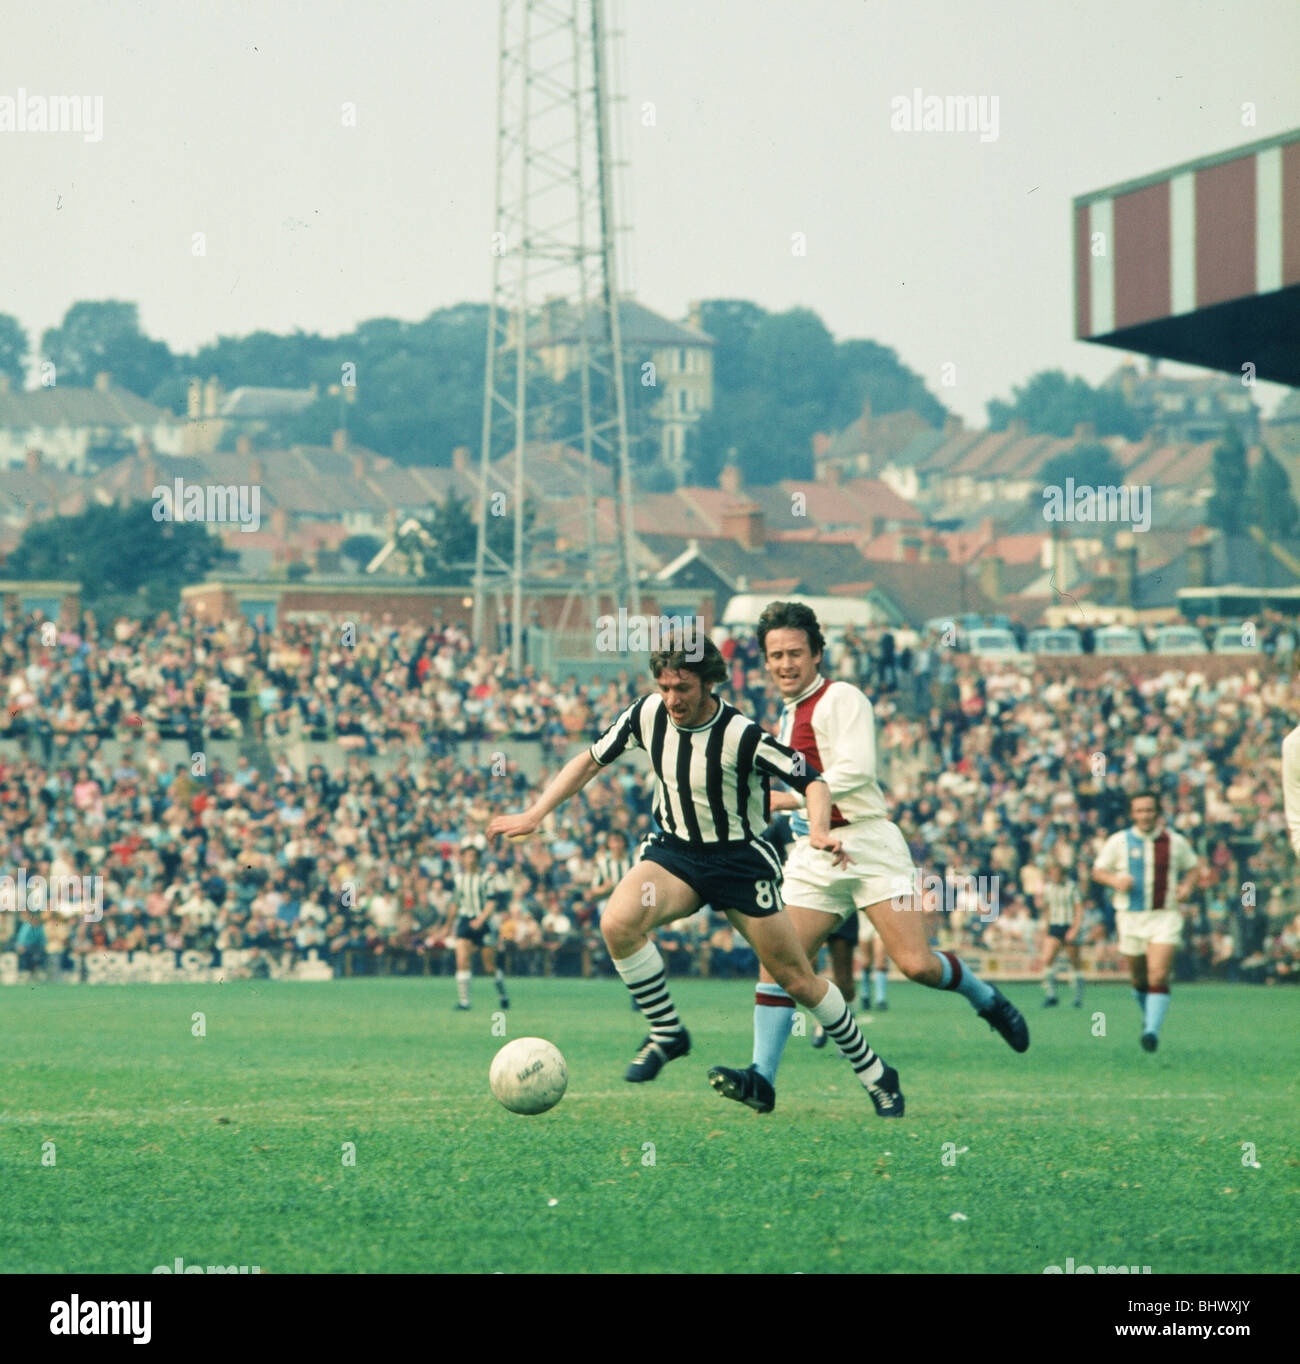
[[880, 867], [1138, 931]]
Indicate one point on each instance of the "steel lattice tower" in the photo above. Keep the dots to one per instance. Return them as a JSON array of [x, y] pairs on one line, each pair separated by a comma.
[[554, 280]]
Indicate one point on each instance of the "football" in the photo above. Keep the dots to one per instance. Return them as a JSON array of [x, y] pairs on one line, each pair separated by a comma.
[[528, 1075]]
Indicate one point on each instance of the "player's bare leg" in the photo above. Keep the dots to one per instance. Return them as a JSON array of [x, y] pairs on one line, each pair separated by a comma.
[[879, 962], [1050, 955], [464, 971], [1158, 967], [493, 968], [648, 896], [777, 941], [902, 926]]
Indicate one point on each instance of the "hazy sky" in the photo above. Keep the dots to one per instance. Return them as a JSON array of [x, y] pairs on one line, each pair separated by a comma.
[[771, 118]]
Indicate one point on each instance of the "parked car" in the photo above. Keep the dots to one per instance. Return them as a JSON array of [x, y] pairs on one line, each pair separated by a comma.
[[1064, 643], [1178, 639], [1114, 641], [1229, 639], [992, 643]]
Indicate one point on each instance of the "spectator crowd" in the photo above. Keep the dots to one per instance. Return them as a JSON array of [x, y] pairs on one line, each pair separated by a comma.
[[994, 772]]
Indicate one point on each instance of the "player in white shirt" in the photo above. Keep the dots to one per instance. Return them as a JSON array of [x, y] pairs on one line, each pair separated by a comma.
[[1291, 786], [1152, 870], [832, 725]]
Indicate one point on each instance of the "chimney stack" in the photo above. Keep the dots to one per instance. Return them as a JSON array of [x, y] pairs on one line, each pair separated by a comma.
[[103, 381], [744, 524], [4, 383], [1198, 557], [729, 480], [211, 396], [990, 578], [32, 460], [460, 459], [1126, 556], [1085, 431], [339, 443], [243, 446], [194, 400], [953, 425]]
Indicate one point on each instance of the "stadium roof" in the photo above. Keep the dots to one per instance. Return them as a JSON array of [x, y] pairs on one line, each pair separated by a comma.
[[1198, 263]]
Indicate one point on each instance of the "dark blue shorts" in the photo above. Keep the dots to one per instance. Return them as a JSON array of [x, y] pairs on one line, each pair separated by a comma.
[[480, 937], [1058, 931], [848, 930], [740, 876]]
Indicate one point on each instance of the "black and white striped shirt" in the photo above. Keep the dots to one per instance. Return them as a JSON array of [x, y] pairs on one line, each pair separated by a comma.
[[712, 782], [1061, 900], [474, 891], [608, 868]]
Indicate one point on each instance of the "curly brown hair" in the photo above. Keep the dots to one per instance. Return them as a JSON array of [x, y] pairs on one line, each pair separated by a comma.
[[710, 667]]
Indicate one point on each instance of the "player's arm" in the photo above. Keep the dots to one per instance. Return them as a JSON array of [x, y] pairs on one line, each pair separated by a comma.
[[570, 779], [1072, 933], [1106, 870], [785, 800], [575, 774], [776, 760], [1191, 874], [844, 725]]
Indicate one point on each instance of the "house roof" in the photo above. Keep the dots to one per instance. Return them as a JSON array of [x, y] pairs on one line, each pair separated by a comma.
[[249, 403], [638, 327], [63, 405]]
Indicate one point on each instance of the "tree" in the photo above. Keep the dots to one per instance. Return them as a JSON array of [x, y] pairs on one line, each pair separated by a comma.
[[778, 378], [1226, 509], [1050, 404], [1089, 463], [360, 549], [13, 350], [105, 337], [449, 543], [118, 550], [1268, 496]]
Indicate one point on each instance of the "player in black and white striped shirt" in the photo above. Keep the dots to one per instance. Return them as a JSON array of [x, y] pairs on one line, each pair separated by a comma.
[[474, 896], [712, 769], [1060, 898], [609, 868]]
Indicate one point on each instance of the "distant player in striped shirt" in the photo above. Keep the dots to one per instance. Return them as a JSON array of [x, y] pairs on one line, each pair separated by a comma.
[[1152, 870], [1063, 905], [609, 868], [712, 769], [474, 898], [832, 725]]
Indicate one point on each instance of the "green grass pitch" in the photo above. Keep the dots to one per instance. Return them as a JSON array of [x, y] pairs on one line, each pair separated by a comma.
[[229, 1149]]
